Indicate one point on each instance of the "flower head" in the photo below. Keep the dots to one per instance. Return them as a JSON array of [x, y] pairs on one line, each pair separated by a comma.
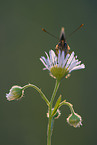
[[62, 65], [74, 120], [16, 92]]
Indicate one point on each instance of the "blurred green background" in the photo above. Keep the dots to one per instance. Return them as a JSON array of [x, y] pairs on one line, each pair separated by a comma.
[[22, 43]]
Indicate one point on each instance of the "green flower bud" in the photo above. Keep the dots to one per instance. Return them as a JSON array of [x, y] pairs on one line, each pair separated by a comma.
[[16, 92], [74, 120], [57, 115]]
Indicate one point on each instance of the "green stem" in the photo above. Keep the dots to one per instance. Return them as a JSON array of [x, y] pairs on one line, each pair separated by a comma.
[[49, 131], [68, 104], [54, 92], [39, 90]]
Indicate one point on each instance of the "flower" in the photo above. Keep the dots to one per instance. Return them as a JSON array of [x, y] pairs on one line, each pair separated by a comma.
[[62, 65], [74, 120], [16, 92]]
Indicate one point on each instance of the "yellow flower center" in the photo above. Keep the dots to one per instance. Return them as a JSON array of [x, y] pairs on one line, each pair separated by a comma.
[[58, 72]]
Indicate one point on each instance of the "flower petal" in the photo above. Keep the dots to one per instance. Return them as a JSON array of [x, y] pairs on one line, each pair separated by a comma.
[[62, 58], [70, 59], [52, 55], [48, 59], [59, 55], [65, 60], [82, 66], [43, 63]]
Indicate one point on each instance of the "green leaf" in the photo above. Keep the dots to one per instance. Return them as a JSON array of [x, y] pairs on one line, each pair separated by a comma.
[[56, 106]]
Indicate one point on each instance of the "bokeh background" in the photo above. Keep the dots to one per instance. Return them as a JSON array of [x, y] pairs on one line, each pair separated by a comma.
[[22, 43]]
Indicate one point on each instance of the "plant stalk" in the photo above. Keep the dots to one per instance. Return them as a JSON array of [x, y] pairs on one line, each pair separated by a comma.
[[49, 131], [39, 90]]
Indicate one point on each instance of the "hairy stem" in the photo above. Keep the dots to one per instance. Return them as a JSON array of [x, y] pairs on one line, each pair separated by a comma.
[[49, 131], [40, 92], [68, 104]]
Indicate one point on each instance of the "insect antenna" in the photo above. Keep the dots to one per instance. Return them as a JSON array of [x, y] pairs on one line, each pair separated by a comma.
[[50, 34], [74, 31]]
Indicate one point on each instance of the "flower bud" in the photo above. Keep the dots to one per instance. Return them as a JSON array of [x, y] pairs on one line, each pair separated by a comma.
[[16, 92], [74, 120], [57, 114]]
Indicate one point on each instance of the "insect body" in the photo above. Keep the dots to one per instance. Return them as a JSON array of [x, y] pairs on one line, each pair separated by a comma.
[[62, 45]]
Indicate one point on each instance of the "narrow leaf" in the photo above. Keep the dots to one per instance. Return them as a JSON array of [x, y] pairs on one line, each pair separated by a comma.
[[56, 106]]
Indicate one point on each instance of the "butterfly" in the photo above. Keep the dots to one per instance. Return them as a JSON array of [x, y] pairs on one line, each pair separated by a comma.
[[62, 44]]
